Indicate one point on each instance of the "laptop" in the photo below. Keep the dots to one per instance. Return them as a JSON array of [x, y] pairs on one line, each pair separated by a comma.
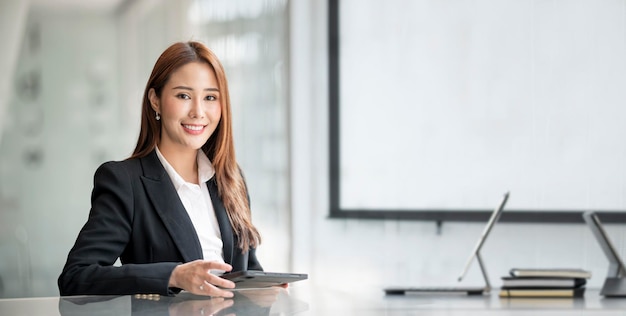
[[495, 215]]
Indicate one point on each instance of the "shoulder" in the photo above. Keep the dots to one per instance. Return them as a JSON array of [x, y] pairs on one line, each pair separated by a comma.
[[128, 166], [124, 169], [134, 168]]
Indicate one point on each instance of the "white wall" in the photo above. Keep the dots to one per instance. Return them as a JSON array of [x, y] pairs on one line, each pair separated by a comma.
[[357, 254]]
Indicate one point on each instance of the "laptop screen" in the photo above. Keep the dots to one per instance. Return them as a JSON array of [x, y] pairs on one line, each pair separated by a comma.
[[495, 215]]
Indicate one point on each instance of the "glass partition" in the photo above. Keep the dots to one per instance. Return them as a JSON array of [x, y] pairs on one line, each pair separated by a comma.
[[75, 102]]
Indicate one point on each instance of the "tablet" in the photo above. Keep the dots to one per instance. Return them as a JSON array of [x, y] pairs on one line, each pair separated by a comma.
[[258, 279]]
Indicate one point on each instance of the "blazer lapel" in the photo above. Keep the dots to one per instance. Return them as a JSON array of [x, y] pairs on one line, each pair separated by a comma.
[[169, 207], [226, 229]]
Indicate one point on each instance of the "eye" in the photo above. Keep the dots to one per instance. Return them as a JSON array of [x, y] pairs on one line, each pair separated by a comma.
[[210, 98], [183, 96]]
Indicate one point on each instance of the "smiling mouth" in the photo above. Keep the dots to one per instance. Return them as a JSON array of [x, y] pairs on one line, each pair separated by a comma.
[[194, 127]]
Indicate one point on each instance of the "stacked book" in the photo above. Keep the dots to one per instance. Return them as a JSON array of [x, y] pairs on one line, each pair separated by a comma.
[[549, 283]]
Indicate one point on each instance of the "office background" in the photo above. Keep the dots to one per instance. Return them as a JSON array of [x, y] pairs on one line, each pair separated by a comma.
[[72, 74]]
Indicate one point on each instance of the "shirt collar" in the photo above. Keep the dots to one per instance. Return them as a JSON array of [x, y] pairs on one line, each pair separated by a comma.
[[205, 169]]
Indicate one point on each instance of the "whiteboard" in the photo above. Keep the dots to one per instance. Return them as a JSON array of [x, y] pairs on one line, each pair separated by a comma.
[[447, 104]]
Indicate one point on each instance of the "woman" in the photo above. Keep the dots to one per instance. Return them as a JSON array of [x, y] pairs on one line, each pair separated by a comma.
[[177, 209]]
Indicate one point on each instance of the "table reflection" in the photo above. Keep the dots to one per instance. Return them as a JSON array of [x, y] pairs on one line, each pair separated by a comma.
[[259, 302]]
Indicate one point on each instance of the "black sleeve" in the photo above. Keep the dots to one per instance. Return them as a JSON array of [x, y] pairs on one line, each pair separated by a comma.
[[253, 262], [89, 268]]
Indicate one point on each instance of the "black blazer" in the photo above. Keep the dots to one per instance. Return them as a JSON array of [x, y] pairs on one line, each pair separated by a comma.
[[136, 215]]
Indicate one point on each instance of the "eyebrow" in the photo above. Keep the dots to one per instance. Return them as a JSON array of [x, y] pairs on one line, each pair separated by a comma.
[[190, 89]]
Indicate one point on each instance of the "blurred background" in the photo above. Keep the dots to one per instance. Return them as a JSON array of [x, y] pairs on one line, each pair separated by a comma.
[[72, 73]]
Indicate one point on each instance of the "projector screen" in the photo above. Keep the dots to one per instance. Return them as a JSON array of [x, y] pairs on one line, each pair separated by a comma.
[[446, 105]]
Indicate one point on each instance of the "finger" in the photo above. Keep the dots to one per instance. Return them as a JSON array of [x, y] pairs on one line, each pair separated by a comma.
[[217, 300], [221, 282], [205, 287], [212, 290], [213, 265], [215, 291], [208, 289]]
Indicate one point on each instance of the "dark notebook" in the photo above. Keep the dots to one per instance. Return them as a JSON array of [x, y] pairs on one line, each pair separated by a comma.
[[546, 293]]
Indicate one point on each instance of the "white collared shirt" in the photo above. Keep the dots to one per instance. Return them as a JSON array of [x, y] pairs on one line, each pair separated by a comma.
[[197, 203]]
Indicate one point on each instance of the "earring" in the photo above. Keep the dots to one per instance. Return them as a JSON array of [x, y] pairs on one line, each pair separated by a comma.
[[158, 116]]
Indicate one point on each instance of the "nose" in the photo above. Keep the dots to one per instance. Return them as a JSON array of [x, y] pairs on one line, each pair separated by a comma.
[[196, 110]]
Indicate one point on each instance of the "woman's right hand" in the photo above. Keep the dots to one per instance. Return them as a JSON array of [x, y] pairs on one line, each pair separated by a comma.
[[196, 277]]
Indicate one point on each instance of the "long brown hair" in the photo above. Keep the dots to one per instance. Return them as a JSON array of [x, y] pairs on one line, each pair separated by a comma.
[[219, 147]]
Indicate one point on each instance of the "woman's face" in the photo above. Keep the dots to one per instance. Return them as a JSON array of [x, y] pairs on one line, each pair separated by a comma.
[[190, 107]]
